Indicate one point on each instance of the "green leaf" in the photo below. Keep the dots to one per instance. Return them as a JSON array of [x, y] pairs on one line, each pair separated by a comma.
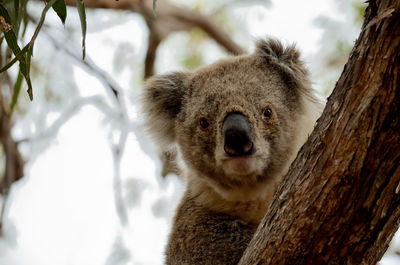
[[82, 15], [17, 89], [9, 34], [13, 11], [23, 56], [61, 10], [28, 70], [25, 20], [30, 47], [41, 21], [18, 57], [16, 8]]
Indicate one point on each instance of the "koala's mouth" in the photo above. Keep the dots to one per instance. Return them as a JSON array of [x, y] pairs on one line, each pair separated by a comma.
[[241, 165]]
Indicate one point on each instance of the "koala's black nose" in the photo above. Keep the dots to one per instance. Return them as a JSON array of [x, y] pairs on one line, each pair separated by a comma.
[[238, 140]]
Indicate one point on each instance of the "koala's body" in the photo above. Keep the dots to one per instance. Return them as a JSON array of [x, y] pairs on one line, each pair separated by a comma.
[[237, 124]]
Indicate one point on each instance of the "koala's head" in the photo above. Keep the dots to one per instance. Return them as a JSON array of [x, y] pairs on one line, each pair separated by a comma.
[[238, 122]]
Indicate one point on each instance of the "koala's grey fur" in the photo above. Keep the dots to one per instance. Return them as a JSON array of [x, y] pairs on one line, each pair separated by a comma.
[[226, 198]]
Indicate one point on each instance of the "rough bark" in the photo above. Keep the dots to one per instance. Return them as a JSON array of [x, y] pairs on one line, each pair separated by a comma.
[[340, 201]]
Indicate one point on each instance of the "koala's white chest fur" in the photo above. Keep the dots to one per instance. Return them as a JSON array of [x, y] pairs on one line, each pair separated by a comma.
[[248, 204]]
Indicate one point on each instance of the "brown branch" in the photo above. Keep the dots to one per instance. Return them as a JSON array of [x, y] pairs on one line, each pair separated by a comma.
[[154, 41], [196, 19], [170, 18], [14, 162], [107, 4], [14, 168], [340, 201]]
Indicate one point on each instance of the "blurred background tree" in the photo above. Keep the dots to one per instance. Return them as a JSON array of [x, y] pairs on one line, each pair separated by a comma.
[[78, 180]]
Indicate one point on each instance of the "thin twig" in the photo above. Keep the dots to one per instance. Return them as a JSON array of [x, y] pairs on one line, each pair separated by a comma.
[[2, 213], [113, 87], [93, 68]]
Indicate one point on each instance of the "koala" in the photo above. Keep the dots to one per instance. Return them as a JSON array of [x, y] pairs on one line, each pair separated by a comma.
[[237, 125]]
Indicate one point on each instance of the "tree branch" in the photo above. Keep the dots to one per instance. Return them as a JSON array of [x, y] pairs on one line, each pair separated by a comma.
[[120, 113], [170, 18], [154, 41], [14, 168], [196, 19]]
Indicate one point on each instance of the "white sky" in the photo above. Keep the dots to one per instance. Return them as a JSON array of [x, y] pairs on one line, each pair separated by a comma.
[[63, 212]]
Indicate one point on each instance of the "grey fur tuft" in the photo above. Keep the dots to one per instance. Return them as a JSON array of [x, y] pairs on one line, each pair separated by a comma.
[[273, 49], [162, 102], [287, 61]]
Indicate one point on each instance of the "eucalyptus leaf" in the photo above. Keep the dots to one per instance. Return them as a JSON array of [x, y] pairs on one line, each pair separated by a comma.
[[41, 21], [25, 20], [9, 33], [13, 10], [16, 9], [61, 10], [82, 15], [27, 77], [17, 89], [19, 55], [30, 48]]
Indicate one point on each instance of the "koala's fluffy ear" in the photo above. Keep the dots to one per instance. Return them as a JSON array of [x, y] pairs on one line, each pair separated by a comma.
[[162, 101], [287, 60]]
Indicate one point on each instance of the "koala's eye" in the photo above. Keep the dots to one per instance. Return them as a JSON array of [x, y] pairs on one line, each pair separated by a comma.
[[267, 114], [204, 124]]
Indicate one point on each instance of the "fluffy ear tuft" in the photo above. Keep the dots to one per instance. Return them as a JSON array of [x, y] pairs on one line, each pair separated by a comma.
[[273, 49], [162, 100], [287, 61]]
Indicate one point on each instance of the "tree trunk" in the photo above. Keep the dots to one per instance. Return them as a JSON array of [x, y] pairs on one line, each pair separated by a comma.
[[340, 201]]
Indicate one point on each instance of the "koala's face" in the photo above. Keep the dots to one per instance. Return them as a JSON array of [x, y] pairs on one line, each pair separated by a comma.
[[236, 122]]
